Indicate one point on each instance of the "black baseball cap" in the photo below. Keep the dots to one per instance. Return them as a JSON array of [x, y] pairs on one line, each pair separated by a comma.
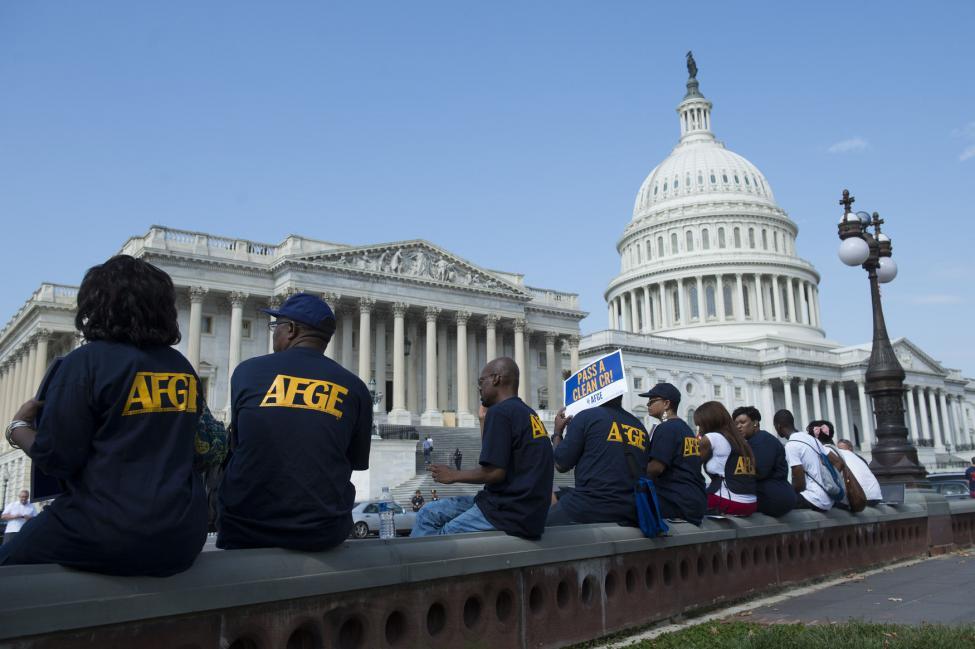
[[663, 391], [304, 308]]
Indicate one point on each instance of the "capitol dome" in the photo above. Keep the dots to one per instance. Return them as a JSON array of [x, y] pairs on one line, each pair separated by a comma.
[[708, 253]]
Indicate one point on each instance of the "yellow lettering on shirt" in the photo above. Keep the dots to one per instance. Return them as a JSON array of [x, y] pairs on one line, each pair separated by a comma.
[[635, 437], [744, 466], [538, 428], [153, 392], [692, 447], [306, 394], [614, 434]]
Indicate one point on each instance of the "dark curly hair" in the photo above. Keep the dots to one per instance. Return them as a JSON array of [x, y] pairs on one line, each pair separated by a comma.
[[749, 411], [127, 300]]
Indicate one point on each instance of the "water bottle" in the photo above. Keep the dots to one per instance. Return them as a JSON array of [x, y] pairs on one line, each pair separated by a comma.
[[387, 528]]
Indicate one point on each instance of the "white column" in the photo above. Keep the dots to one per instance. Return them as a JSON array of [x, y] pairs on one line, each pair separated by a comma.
[[845, 413], [803, 405], [28, 375], [658, 307], [665, 306], [946, 431], [817, 401], [683, 316], [443, 369], [464, 416], [399, 413], [554, 393], [740, 297], [573, 353], [365, 339], [6, 411], [759, 305], [431, 416], [957, 413], [719, 298], [803, 303], [777, 299], [274, 302], [412, 369], [768, 403], [791, 296], [787, 392], [830, 408], [814, 296], [16, 371], [922, 402], [935, 425], [43, 336], [627, 319], [491, 335], [348, 327], [520, 359], [611, 314], [866, 417], [912, 415], [333, 350], [197, 293], [647, 315], [236, 299], [701, 311], [380, 361], [635, 311]]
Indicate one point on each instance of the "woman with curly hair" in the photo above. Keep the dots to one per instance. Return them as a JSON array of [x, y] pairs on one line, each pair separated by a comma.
[[729, 462], [117, 428]]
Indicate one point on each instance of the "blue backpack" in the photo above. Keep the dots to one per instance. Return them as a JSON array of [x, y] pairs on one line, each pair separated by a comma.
[[648, 514]]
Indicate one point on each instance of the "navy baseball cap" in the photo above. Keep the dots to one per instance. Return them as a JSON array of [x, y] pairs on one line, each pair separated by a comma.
[[664, 391], [304, 308]]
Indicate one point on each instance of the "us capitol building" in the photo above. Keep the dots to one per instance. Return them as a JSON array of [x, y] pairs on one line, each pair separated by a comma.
[[711, 296]]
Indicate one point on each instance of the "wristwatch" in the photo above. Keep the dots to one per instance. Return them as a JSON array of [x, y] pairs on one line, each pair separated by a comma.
[[14, 425]]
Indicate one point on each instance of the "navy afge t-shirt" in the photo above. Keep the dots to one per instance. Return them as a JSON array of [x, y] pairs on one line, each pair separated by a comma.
[[775, 495], [682, 483], [118, 428], [515, 440], [302, 423], [596, 443]]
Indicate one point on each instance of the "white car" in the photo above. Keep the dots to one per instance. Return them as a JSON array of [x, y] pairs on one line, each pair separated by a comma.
[[365, 519]]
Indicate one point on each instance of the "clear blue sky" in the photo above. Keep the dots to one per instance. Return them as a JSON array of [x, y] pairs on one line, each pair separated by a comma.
[[514, 134]]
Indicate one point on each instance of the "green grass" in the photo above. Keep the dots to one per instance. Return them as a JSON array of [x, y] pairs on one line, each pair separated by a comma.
[[854, 635]]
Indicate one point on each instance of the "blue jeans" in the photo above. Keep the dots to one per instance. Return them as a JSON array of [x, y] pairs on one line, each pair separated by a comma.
[[450, 516]]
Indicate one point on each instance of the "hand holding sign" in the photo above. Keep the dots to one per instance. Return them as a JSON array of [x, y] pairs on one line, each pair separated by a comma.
[[596, 383]]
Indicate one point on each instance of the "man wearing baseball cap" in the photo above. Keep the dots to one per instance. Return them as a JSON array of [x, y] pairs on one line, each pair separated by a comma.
[[675, 458], [301, 424]]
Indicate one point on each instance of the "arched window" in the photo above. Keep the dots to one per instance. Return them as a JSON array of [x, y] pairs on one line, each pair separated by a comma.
[[721, 242], [705, 239], [737, 237], [710, 303], [655, 187], [729, 303], [649, 250], [676, 183], [775, 240], [751, 237], [737, 182], [700, 179], [692, 298], [724, 178], [689, 238], [765, 239], [673, 243], [639, 254], [660, 246], [665, 186], [712, 179]]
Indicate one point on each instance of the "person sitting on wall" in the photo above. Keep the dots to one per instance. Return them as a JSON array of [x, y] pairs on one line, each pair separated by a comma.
[[802, 452], [675, 458], [302, 424], [824, 431], [515, 466], [597, 444], [118, 428], [775, 495], [728, 461]]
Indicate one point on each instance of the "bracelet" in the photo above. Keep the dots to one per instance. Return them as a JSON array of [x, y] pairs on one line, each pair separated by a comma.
[[14, 425]]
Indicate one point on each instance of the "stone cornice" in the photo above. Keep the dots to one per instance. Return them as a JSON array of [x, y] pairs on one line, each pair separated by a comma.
[[565, 313]]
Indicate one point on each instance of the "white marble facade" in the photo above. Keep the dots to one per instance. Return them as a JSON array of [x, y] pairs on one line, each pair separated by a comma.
[[432, 320]]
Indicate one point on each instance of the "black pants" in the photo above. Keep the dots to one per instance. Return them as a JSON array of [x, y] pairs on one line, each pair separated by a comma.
[[802, 503]]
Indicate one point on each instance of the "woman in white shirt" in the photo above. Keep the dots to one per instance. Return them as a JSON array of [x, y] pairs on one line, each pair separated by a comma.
[[729, 462]]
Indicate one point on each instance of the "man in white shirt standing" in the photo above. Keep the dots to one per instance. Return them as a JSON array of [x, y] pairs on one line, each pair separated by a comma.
[[802, 455], [16, 514]]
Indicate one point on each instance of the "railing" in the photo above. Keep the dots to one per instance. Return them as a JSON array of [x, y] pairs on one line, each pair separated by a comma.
[[557, 299], [394, 431]]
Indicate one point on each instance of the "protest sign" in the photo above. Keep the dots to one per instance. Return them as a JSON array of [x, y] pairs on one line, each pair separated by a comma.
[[594, 384]]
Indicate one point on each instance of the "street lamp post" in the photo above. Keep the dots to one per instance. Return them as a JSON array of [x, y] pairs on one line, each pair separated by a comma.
[[894, 456]]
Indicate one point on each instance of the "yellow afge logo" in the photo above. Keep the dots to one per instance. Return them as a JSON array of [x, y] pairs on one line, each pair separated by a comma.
[[744, 466], [308, 394], [538, 428], [161, 392], [692, 447], [634, 436]]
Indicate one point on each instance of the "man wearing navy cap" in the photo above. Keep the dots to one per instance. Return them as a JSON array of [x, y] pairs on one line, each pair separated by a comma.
[[301, 424]]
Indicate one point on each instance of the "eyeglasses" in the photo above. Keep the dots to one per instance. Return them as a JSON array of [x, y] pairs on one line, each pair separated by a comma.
[[272, 325], [655, 399]]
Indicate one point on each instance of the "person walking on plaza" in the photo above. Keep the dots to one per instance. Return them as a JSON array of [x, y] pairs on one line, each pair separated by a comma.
[[458, 458], [597, 443], [302, 423], [515, 465], [728, 461], [675, 458], [417, 501], [427, 449], [775, 495], [16, 514], [802, 453], [119, 429]]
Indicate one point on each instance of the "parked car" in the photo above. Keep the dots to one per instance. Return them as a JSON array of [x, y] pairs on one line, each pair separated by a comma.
[[950, 476], [365, 519], [952, 489]]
